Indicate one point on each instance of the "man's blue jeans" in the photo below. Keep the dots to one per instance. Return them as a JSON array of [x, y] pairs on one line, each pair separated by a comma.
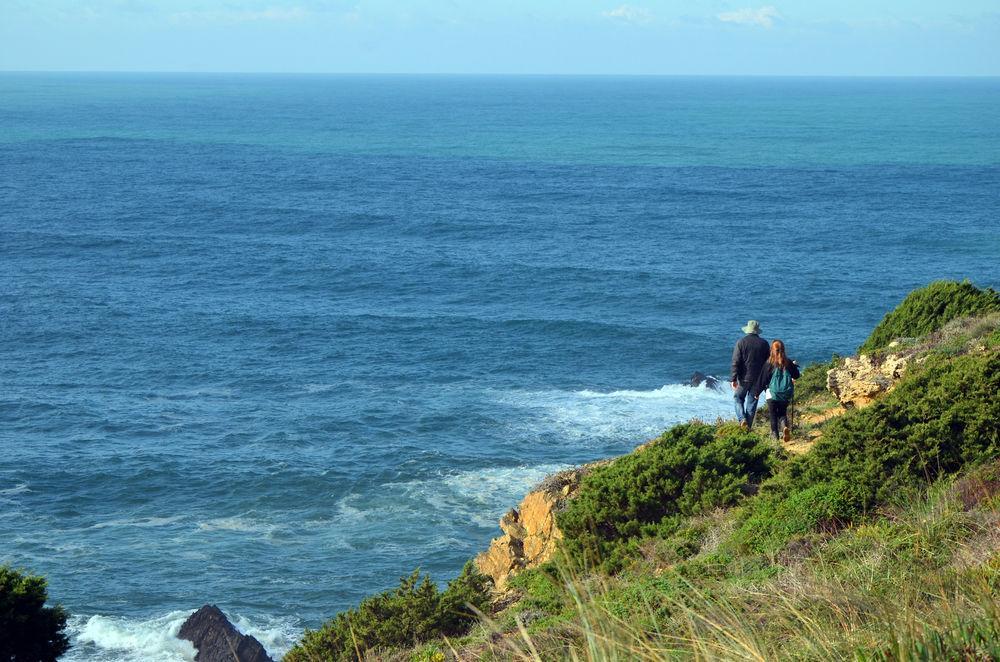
[[746, 404]]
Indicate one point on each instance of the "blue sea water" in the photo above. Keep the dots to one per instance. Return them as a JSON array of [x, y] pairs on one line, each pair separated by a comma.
[[272, 342]]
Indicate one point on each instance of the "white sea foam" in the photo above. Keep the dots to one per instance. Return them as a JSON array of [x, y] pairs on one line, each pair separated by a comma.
[[475, 496], [238, 523], [319, 388], [603, 422], [480, 495], [497, 484], [594, 418], [103, 638], [276, 635], [142, 522], [111, 638], [20, 488]]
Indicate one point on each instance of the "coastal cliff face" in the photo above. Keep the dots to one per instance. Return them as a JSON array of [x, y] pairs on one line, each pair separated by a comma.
[[530, 534]]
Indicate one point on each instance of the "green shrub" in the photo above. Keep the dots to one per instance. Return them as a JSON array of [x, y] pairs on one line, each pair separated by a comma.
[[691, 468], [471, 587], [942, 418], [542, 589], [938, 420], [29, 631], [812, 381], [928, 309], [976, 640], [772, 521], [414, 612]]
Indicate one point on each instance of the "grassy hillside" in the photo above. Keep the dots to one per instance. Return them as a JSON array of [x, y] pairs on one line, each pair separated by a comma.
[[929, 309], [881, 541]]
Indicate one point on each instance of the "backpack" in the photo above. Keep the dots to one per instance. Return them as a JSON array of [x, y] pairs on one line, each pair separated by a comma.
[[781, 386]]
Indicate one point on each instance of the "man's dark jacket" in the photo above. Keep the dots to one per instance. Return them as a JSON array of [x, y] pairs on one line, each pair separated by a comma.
[[749, 356]]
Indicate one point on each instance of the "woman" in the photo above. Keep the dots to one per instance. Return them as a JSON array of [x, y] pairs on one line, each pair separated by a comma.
[[776, 381]]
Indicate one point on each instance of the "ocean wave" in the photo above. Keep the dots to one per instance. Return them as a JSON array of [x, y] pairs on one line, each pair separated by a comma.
[[20, 488], [481, 495], [142, 522], [7, 495], [475, 496], [100, 638], [666, 392], [237, 523], [596, 418]]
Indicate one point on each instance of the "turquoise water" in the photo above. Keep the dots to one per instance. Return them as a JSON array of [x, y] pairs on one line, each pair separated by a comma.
[[272, 342]]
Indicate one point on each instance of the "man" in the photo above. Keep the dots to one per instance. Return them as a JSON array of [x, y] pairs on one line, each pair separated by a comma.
[[749, 357]]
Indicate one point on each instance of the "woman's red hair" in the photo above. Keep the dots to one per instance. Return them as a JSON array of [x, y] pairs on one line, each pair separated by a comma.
[[778, 358]]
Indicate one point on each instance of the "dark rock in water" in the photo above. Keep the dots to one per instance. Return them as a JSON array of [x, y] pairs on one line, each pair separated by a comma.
[[217, 640], [699, 378]]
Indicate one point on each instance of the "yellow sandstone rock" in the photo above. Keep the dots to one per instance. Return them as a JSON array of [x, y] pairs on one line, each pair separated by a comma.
[[859, 381], [530, 534]]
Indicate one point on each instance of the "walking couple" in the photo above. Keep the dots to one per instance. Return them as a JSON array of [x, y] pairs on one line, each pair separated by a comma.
[[759, 367]]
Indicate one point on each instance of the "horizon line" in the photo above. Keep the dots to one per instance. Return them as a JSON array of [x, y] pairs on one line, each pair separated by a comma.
[[477, 74]]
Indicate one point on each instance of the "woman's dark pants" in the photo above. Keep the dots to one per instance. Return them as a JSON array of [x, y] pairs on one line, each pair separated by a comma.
[[778, 413]]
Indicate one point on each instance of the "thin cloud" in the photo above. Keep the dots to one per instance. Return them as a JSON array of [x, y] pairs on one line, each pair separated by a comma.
[[762, 17], [629, 14]]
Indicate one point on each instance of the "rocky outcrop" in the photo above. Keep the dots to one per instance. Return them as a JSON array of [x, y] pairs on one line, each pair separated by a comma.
[[218, 640], [530, 534], [700, 378], [857, 382]]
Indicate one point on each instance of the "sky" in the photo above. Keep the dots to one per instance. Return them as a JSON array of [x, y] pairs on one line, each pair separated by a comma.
[[672, 37]]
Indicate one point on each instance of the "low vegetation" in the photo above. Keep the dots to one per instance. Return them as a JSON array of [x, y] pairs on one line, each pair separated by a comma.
[[918, 583], [414, 612], [930, 308], [690, 469]]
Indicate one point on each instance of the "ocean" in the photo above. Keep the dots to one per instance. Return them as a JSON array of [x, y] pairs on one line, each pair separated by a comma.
[[272, 342]]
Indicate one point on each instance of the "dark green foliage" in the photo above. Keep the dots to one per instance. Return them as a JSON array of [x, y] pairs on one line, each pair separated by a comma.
[[410, 614], [29, 631], [691, 468], [470, 588], [928, 309], [942, 418]]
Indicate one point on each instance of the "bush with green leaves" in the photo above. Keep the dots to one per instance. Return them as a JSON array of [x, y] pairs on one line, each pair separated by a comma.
[[942, 418], [29, 631], [542, 589], [928, 309], [408, 615], [691, 468]]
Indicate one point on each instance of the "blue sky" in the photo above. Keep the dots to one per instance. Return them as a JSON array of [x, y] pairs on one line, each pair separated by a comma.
[[773, 37]]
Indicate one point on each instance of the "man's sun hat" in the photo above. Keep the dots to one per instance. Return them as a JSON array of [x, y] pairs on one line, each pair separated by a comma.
[[752, 327]]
